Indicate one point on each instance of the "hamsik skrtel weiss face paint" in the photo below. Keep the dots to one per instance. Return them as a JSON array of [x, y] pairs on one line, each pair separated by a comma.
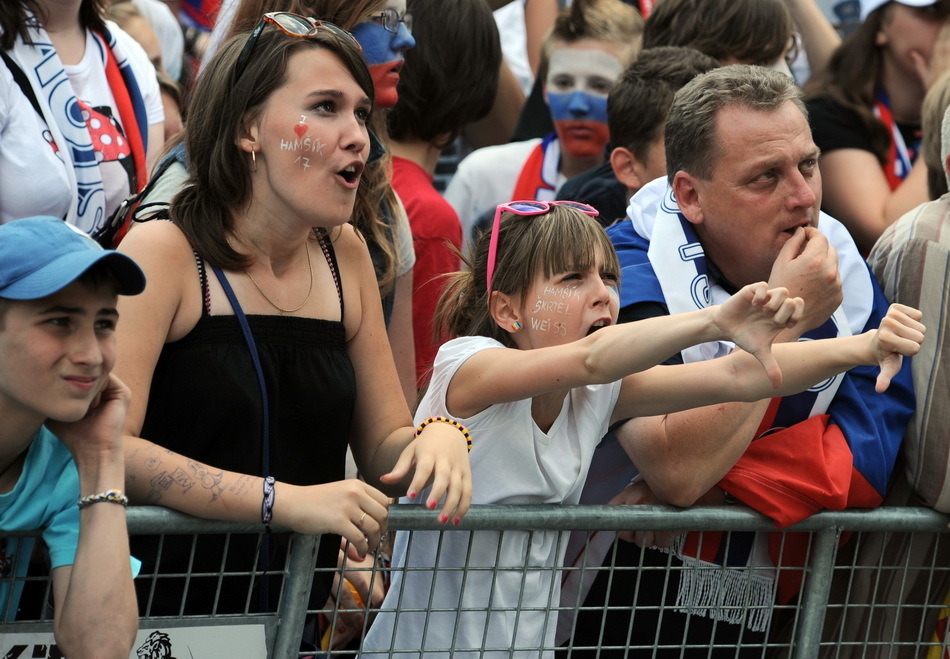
[[577, 85]]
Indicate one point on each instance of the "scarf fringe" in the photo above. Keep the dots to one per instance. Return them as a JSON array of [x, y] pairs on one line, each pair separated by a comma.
[[724, 594], [737, 596]]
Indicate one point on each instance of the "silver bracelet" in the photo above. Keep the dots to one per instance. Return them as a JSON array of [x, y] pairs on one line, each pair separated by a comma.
[[110, 496]]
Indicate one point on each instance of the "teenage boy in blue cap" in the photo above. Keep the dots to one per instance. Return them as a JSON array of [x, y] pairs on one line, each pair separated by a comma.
[[61, 417]]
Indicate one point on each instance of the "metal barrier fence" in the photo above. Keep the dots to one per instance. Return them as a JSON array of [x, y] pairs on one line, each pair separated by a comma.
[[877, 595]]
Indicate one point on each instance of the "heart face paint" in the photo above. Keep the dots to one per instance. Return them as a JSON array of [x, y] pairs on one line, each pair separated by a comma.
[[305, 144], [384, 54], [578, 82]]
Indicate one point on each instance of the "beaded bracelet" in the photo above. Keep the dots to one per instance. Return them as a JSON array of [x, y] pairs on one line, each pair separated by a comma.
[[110, 496], [267, 505], [451, 422]]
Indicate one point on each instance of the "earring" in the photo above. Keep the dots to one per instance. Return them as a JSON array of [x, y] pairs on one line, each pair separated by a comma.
[[254, 161], [516, 326]]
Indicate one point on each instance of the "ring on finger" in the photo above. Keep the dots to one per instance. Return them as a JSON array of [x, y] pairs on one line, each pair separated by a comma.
[[362, 517]]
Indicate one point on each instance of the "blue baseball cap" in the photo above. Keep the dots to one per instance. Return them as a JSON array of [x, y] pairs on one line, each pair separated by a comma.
[[42, 255]]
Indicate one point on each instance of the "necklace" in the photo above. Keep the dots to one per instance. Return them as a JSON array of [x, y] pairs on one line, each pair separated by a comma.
[[305, 300]]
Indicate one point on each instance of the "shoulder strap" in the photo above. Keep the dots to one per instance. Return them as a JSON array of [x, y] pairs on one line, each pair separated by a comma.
[[203, 279], [20, 78], [158, 210], [330, 255]]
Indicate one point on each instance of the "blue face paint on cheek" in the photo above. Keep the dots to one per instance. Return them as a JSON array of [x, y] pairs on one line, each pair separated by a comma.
[[377, 43], [577, 106]]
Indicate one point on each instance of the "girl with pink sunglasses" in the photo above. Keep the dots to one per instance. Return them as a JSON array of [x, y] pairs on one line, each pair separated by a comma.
[[537, 372]]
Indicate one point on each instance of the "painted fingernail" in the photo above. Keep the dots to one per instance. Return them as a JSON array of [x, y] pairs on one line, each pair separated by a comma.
[[430, 505], [457, 521], [443, 519], [413, 495]]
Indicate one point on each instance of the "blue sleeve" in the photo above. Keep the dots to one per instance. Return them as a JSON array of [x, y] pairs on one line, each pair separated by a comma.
[[638, 281], [874, 423]]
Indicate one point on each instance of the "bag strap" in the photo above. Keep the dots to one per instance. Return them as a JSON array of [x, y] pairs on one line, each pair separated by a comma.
[[265, 433], [255, 358], [24, 83], [130, 207]]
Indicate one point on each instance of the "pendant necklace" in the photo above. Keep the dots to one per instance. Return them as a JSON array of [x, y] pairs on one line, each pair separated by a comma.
[[280, 309]]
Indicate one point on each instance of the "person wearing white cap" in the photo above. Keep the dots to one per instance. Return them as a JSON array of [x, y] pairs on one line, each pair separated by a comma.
[[62, 413], [865, 113], [870, 5]]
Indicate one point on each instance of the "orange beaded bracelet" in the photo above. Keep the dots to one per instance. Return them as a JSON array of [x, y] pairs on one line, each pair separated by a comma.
[[451, 422]]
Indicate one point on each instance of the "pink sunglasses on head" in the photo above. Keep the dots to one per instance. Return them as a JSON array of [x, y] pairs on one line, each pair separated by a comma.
[[525, 208]]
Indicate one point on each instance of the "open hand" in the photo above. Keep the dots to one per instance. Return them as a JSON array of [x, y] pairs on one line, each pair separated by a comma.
[[440, 458], [754, 316], [900, 333]]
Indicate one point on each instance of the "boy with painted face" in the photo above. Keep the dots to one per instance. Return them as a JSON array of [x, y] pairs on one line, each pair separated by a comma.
[[578, 81], [385, 38], [590, 45], [61, 416]]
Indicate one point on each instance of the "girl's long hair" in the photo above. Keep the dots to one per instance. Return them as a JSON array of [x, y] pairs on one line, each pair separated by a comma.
[[852, 78], [376, 195], [219, 172], [13, 15]]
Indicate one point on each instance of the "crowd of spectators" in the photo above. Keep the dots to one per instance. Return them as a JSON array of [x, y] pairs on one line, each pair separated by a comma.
[[677, 182]]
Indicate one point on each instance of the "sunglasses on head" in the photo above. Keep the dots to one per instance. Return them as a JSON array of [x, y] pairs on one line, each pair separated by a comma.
[[293, 25], [524, 208]]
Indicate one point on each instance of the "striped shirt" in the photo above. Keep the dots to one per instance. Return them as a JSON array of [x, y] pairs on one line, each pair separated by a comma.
[[911, 260]]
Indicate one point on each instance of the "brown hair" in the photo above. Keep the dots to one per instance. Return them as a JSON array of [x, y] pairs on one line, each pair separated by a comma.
[[641, 97], [219, 180], [748, 31], [852, 77], [377, 196], [562, 239], [345, 13], [14, 13], [451, 76], [608, 21], [692, 144]]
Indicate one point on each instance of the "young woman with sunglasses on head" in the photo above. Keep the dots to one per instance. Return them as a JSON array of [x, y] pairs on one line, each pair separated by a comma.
[[538, 372], [384, 30], [277, 143]]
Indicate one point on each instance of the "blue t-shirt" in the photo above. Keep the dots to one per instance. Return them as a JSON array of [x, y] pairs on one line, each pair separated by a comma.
[[44, 498]]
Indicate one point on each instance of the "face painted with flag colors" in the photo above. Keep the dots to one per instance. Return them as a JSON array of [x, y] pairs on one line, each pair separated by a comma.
[[385, 37], [579, 78]]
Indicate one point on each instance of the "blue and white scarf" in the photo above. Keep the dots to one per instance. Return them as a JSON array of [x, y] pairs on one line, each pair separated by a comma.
[[66, 122]]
